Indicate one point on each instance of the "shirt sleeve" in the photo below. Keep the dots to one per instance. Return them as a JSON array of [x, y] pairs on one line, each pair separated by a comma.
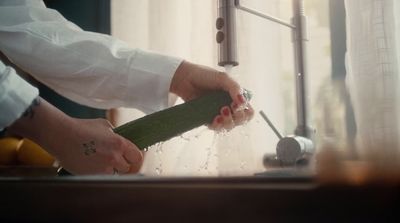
[[16, 95], [90, 68]]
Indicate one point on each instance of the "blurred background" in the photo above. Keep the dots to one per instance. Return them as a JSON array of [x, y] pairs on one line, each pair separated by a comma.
[[353, 60], [352, 79], [186, 29]]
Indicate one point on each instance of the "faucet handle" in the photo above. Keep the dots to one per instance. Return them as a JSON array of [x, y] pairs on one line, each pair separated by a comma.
[[264, 116], [290, 150]]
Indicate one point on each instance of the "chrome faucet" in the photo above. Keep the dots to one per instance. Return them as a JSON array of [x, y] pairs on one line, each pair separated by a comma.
[[290, 148]]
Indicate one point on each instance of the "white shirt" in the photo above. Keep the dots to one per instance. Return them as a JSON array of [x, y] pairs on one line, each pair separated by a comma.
[[90, 68]]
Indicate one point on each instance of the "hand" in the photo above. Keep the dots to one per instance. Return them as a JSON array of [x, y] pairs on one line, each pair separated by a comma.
[[91, 147], [191, 81], [81, 146]]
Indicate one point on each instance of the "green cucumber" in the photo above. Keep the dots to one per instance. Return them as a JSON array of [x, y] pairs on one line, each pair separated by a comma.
[[166, 124]]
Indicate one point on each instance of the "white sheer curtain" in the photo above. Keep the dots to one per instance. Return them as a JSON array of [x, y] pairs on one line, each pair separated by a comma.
[[373, 42], [186, 28]]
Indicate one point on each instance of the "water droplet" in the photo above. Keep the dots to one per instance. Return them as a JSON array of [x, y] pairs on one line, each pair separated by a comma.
[[246, 123], [159, 150], [158, 171], [200, 133], [159, 144], [146, 149], [222, 133], [184, 138]]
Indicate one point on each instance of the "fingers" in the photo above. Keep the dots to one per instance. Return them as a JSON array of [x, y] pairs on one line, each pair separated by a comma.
[[242, 114], [235, 91], [230, 117], [119, 165], [228, 122], [134, 157], [126, 158], [223, 121], [217, 123]]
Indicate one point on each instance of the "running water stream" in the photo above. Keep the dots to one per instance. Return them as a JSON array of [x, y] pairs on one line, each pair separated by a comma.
[[226, 154]]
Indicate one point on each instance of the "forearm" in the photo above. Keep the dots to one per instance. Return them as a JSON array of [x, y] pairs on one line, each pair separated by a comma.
[[81, 146], [89, 68], [42, 123], [15, 95]]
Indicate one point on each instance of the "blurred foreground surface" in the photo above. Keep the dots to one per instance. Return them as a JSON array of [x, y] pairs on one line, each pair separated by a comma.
[[229, 199]]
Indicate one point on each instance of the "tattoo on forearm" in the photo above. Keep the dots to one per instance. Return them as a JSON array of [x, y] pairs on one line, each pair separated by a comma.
[[89, 148], [29, 113]]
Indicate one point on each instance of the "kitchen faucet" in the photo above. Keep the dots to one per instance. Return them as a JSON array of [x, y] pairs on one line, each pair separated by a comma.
[[290, 149]]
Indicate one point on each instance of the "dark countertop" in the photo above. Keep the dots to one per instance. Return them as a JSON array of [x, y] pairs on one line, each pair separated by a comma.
[[194, 199]]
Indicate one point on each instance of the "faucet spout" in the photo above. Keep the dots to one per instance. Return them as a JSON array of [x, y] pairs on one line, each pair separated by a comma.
[[226, 34]]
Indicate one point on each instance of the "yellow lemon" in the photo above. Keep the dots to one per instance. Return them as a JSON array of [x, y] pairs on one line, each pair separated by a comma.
[[8, 150], [32, 154]]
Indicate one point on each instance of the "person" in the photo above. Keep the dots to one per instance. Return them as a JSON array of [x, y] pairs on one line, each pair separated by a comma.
[[95, 70]]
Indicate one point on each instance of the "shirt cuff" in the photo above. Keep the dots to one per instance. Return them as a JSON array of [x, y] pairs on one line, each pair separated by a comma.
[[159, 71], [16, 95]]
